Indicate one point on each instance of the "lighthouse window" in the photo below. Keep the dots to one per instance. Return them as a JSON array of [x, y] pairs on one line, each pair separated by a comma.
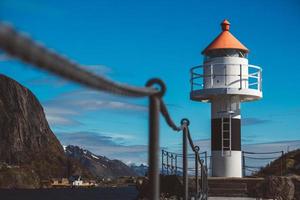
[[225, 53]]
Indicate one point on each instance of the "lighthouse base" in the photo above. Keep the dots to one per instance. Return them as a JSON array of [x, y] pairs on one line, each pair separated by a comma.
[[228, 164]]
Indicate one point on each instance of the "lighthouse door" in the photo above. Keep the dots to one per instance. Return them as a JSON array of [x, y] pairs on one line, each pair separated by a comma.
[[226, 133]]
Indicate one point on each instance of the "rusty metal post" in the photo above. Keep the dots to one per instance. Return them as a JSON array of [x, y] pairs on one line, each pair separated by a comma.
[[281, 163], [154, 147], [196, 174], [203, 178], [185, 122], [185, 164], [175, 164], [162, 161]]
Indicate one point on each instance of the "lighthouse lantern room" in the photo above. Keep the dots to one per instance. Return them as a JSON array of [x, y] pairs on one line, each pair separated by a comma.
[[225, 80]]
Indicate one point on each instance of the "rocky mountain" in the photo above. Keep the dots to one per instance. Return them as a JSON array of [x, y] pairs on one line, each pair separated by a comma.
[[29, 151], [99, 166], [141, 169]]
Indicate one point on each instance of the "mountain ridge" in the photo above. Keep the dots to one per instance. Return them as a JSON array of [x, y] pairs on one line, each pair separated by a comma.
[[99, 166]]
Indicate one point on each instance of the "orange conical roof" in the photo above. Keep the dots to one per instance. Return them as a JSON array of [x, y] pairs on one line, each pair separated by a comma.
[[225, 40]]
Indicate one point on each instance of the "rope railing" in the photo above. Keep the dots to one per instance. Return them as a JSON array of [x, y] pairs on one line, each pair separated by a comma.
[[24, 48], [202, 191], [27, 50], [260, 160]]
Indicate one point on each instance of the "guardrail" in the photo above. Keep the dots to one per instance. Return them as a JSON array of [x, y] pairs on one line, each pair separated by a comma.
[[202, 192], [170, 165], [27, 50], [253, 77], [259, 160]]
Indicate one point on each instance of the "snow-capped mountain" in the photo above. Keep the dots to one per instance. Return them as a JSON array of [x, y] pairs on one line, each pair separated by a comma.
[[99, 166]]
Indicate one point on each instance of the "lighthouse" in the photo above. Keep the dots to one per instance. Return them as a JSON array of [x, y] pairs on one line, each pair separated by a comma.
[[225, 80]]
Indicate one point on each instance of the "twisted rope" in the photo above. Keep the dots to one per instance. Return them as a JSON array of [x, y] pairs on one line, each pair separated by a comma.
[[29, 51]]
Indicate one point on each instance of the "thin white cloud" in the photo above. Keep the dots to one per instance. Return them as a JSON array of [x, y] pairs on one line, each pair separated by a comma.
[[58, 116], [59, 120], [254, 121], [67, 108]]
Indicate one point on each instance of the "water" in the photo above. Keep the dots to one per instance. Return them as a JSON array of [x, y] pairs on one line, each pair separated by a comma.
[[121, 193]]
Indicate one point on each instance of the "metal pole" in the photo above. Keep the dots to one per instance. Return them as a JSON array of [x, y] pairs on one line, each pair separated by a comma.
[[175, 164], [167, 163], [172, 164], [241, 77], [154, 108], [244, 169], [162, 161], [281, 162], [196, 174], [185, 164]]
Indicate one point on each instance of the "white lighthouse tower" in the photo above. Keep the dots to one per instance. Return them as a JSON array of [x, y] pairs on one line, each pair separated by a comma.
[[225, 80]]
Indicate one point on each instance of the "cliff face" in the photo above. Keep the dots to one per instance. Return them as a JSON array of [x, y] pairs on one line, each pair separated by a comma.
[[99, 166], [28, 148]]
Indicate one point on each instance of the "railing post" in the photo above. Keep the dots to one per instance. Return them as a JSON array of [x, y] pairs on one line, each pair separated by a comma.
[[197, 158], [243, 167], [154, 149], [281, 163], [167, 163], [185, 123], [241, 77], [196, 173], [162, 161], [211, 76], [175, 164]]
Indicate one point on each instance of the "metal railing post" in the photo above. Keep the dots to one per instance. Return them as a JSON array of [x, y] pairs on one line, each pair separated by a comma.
[[244, 164], [162, 161], [202, 177], [154, 147], [184, 160], [167, 163], [184, 164], [197, 158], [196, 173], [176, 165], [241, 77], [281, 163]]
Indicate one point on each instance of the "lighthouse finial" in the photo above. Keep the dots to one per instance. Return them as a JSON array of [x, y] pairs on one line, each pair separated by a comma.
[[225, 25]]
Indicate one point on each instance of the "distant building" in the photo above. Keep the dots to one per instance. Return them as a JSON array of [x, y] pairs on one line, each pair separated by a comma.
[[77, 181], [60, 182]]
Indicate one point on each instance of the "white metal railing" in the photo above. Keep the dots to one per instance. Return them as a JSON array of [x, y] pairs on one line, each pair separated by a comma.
[[254, 77]]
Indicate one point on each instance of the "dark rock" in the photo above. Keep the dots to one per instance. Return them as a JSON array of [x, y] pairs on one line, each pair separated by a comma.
[[141, 170], [27, 145], [277, 187]]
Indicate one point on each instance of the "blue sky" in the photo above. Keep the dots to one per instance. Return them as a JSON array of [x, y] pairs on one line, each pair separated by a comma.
[[132, 41]]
